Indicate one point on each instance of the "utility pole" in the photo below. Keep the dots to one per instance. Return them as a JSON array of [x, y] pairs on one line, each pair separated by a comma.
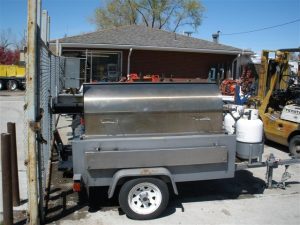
[[31, 110]]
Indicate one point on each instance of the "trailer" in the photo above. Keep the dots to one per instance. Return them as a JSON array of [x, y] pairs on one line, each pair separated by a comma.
[[146, 137]]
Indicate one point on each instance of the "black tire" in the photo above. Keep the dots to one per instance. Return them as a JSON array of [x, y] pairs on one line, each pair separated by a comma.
[[12, 85], [22, 87], [294, 146], [1, 85], [265, 140], [144, 207]]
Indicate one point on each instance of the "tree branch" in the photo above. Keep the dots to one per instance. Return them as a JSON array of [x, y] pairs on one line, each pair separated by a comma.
[[144, 18], [178, 23], [132, 11], [169, 16], [153, 13]]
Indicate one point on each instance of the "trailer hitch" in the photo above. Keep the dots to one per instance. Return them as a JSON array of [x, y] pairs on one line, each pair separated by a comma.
[[273, 163]]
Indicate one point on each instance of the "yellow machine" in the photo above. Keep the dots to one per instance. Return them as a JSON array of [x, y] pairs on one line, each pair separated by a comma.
[[12, 77], [279, 99]]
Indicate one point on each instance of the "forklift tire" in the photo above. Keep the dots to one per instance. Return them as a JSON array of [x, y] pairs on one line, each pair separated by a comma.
[[294, 146], [12, 85], [144, 198]]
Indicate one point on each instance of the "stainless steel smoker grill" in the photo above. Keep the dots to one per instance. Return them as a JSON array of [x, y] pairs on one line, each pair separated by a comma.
[[152, 108], [162, 131]]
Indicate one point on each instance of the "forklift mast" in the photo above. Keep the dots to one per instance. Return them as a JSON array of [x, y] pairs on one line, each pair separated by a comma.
[[271, 76]]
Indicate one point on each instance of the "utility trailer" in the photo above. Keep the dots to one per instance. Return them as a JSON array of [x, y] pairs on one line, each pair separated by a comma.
[[143, 136]]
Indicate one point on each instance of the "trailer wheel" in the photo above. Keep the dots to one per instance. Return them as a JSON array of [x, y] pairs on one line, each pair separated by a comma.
[[294, 146], [144, 198], [12, 85]]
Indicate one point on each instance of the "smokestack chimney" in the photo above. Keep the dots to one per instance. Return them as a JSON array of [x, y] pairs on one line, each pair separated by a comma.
[[215, 37]]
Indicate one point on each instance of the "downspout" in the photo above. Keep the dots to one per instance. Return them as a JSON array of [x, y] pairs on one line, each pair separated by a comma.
[[128, 63]]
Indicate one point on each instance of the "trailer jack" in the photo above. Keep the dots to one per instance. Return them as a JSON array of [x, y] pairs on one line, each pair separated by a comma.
[[273, 163]]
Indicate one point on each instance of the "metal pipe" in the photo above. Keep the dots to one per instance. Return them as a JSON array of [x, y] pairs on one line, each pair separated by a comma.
[[44, 26], [85, 69], [57, 47], [49, 172], [48, 30], [6, 179], [128, 62], [31, 110], [39, 12], [40, 180], [91, 68], [11, 129]]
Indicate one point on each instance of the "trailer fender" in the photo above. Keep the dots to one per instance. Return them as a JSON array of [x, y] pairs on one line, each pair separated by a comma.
[[140, 172]]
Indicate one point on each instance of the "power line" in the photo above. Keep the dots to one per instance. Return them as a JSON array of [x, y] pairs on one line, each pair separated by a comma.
[[265, 28]]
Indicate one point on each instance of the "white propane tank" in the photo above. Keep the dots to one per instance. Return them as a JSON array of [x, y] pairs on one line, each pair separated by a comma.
[[229, 122], [231, 118], [249, 129], [252, 112], [249, 135]]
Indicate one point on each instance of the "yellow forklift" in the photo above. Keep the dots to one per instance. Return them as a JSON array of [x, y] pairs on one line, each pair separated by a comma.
[[278, 99]]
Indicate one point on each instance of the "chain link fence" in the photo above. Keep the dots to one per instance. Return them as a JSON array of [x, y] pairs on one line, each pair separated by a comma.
[[51, 81]]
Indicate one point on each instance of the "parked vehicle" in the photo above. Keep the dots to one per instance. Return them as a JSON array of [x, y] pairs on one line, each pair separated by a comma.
[[12, 77]]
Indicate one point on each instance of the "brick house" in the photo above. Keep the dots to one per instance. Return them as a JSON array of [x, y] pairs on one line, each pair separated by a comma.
[[144, 50]]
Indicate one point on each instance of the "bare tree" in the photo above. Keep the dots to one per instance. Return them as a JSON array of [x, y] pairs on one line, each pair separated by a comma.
[[161, 14], [22, 42], [10, 47], [6, 38]]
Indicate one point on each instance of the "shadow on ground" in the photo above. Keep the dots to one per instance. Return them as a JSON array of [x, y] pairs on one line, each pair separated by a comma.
[[244, 185], [62, 201], [277, 146]]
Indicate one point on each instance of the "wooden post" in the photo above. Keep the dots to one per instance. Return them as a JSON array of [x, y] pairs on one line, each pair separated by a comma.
[[11, 129], [31, 110], [6, 179]]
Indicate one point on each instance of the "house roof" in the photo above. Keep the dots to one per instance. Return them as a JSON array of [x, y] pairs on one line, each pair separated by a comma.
[[142, 37]]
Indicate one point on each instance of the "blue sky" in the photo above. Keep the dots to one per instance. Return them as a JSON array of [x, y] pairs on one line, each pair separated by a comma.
[[71, 17]]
